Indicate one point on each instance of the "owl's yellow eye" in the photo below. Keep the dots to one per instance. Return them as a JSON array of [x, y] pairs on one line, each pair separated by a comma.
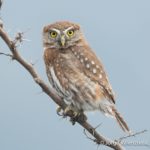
[[70, 33], [53, 34]]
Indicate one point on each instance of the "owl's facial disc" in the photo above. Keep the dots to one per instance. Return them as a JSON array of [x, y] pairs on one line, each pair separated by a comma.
[[63, 38]]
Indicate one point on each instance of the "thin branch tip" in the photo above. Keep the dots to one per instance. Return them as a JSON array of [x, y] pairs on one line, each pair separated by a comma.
[[132, 135], [19, 38], [5, 54]]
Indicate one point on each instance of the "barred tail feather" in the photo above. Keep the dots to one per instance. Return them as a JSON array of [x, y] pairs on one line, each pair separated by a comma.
[[120, 121], [110, 111]]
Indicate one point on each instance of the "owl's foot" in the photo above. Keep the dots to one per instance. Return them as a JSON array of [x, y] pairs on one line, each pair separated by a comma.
[[72, 111], [76, 114], [69, 110], [59, 111]]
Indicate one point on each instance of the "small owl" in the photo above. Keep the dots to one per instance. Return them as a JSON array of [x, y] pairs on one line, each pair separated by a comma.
[[75, 72]]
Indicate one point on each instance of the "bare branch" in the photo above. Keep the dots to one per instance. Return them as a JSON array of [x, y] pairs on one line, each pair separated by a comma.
[[131, 135]]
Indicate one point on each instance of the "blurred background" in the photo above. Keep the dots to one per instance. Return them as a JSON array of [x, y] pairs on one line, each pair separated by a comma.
[[118, 31]]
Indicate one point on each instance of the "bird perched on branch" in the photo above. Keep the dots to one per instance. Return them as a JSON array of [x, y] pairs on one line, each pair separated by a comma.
[[75, 72]]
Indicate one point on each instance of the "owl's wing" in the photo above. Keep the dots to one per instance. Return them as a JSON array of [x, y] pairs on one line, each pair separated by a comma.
[[78, 63], [93, 68]]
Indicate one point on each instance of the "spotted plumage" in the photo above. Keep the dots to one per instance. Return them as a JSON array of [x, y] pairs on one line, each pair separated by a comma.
[[75, 72]]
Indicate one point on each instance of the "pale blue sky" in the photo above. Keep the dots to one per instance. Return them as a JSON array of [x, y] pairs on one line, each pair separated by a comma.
[[118, 31]]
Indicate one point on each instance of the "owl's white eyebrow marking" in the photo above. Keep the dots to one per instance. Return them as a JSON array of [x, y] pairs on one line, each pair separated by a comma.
[[68, 29], [56, 30]]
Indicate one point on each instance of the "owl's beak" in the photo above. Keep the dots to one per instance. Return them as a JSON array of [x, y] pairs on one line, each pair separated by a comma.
[[62, 40]]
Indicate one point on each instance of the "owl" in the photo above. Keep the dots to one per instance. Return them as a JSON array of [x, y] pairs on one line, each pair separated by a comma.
[[75, 72]]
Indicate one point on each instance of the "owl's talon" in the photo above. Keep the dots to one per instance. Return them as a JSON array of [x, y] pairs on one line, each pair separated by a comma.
[[75, 117], [59, 110], [80, 116], [67, 110], [76, 114]]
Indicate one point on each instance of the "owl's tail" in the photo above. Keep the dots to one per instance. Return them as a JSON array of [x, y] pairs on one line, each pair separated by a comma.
[[120, 120], [110, 110]]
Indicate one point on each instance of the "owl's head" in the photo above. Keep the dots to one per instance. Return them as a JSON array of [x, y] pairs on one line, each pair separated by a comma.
[[61, 35]]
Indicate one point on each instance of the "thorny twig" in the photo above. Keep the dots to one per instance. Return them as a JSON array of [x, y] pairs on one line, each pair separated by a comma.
[[19, 38], [131, 135], [88, 136], [91, 138]]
